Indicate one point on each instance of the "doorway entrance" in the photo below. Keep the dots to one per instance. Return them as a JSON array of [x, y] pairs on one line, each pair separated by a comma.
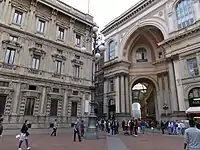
[[143, 93], [2, 104], [111, 109]]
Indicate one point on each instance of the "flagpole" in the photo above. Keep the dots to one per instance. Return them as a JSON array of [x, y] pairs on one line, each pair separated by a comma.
[[88, 6]]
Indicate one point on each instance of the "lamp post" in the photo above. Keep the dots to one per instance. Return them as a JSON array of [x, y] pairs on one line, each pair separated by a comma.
[[91, 132]]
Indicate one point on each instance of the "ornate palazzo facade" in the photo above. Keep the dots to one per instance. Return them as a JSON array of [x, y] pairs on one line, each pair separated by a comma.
[[44, 75], [154, 43]]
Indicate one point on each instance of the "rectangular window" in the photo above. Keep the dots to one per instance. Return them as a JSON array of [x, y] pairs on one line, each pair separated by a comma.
[[4, 84], [58, 66], [76, 71], [78, 40], [32, 87], [55, 90], [10, 56], [54, 107], [75, 93], [41, 26], [29, 107], [59, 51], [37, 45], [74, 109], [13, 38], [2, 104], [61, 32], [17, 19], [112, 85], [77, 57], [192, 67], [36, 62]]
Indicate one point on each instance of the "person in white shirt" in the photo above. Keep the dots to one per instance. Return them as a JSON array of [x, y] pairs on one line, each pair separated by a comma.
[[192, 137]]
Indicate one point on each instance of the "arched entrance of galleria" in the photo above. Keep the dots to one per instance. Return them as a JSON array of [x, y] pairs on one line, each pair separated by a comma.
[[148, 71]]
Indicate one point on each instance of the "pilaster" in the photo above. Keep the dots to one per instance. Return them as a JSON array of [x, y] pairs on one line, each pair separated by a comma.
[[42, 107], [16, 98], [122, 94], [128, 104], [117, 101]]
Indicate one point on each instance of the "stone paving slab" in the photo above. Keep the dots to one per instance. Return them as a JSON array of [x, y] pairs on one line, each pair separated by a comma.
[[114, 143]]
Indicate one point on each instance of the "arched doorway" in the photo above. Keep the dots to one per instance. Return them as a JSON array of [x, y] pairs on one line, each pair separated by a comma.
[[144, 92], [111, 109]]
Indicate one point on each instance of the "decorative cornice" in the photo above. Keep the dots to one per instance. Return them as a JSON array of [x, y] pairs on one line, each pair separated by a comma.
[[78, 62], [129, 14], [13, 43], [37, 50]]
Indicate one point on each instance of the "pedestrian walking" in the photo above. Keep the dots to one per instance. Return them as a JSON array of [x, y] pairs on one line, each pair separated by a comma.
[[162, 127], [24, 135], [77, 129], [192, 137], [1, 126], [55, 126], [123, 125], [82, 128]]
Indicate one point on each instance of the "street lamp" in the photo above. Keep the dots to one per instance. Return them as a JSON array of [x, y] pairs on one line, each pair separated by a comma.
[[91, 132]]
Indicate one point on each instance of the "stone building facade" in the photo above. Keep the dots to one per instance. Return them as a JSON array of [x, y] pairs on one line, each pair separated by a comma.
[[44, 75], [156, 43]]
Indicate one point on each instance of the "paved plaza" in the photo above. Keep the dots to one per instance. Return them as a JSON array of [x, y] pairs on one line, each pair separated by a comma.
[[64, 141]]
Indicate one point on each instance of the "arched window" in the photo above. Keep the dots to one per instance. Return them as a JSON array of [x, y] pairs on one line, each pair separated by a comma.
[[111, 50], [184, 13], [194, 97], [141, 55]]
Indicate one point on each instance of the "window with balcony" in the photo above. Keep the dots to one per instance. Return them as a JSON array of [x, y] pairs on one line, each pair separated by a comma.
[[54, 107], [41, 26], [76, 71], [78, 40], [13, 38], [192, 65], [141, 55], [4, 84], [17, 18], [9, 56], [111, 50], [29, 107], [36, 62], [58, 66], [184, 13], [61, 32]]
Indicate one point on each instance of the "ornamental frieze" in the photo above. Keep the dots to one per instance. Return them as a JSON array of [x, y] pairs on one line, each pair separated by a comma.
[[27, 93], [55, 96]]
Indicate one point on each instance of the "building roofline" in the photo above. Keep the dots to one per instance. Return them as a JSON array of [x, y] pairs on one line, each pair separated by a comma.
[[70, 11], [131, 12]]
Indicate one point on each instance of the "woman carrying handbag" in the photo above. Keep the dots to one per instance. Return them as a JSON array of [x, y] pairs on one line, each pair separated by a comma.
[[24, 136]]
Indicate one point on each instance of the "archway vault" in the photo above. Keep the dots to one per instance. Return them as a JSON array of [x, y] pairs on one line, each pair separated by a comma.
[[134, 32]]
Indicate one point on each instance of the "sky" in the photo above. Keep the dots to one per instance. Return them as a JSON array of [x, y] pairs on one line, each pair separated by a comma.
[[103, 11]]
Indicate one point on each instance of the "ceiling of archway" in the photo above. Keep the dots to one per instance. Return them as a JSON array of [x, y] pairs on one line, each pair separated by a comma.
[[148, 35]]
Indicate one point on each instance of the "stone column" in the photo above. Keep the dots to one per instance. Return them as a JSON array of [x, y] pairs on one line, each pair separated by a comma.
[[122, 94], [16, 98], [42, 107], [83, 104], [128, 104], [117, 100], [105, 101], [65, 102]]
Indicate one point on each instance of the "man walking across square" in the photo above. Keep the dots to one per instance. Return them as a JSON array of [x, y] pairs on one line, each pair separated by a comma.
[[192, 137]]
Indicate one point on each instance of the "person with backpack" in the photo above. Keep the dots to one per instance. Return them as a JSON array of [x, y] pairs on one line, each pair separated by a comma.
[[77, 130], [24, 135]]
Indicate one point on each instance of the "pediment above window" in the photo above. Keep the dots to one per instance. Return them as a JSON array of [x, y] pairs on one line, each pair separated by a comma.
[[77, 62], [37, 50], [59, 57], [12, 43], [19, 6]]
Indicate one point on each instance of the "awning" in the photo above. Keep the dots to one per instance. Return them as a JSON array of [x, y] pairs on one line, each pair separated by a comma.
[[193, 110]]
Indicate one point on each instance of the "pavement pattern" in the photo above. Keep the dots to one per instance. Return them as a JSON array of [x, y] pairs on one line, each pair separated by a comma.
[[64, 141]]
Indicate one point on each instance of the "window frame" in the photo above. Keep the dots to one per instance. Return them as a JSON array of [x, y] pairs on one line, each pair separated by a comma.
[[144, 57], [58, 67], [59, 35], [13, 38], [111, 50], [77, 71], [9, 56], [39, 26], [78, 40], [192, 69], [31, 111], [74, 111], [54, 112], [36, 58], [17, 22], [184, 13]]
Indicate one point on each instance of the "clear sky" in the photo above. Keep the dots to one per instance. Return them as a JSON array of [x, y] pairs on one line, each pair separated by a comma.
[[103, 11]]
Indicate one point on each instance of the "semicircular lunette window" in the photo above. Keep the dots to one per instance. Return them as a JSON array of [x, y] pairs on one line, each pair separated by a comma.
[[141, 55]]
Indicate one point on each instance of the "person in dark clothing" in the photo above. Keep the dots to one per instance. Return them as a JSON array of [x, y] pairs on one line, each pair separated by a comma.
[[1, 126], [54, 128], [162, 127], [24, 135], [77, 129], [136, 127], [123, 125], [131, 127], [82, 128], [113, 127]]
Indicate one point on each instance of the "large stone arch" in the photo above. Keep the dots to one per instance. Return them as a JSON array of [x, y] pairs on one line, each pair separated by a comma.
[[189, 88], [152, 79], [156, 22]]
